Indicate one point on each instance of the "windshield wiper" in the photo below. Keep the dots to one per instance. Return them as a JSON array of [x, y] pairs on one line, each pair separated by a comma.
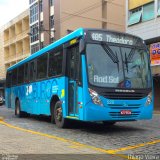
[[130, 55], [110, 53], [126, 61]]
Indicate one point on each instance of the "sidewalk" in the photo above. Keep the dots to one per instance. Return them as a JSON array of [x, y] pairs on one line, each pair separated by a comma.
[[13, 141]]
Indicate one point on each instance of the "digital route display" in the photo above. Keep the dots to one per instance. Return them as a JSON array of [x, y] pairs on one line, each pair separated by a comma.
[[115, 38]]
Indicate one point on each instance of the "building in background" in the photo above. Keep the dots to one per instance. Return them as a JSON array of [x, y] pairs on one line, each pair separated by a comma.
[[41, 23], [14, 44], [143, 19], [2, 66], [16, 39], [53, 19], [71, 14]]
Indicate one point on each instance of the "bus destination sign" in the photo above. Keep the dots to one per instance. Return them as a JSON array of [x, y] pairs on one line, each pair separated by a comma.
[[113, 38]]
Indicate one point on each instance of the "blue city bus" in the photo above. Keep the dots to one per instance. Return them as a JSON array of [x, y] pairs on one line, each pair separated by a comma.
[[89, 75]]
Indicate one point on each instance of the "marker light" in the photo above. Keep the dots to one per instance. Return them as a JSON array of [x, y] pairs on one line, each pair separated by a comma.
[[95, 97]]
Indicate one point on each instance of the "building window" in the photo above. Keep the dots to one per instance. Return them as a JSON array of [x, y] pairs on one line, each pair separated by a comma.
[[135, 16], [34, 48], [34, 13], [41, 5], [52, 21], [34, 32], [143, 13], [52, 39], [158, 8], [148, 12], [31, 1], [51, 2]]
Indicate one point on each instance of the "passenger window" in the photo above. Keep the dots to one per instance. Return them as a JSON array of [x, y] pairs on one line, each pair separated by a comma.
[[26, 75], [55, 62], [21, 74], [14, 77], [32, 71], [42, 66], [8, 79]]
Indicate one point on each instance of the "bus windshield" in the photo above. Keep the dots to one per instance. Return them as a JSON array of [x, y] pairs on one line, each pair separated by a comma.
[[118, 66]]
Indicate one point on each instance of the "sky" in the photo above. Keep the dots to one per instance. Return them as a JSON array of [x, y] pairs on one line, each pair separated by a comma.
[[9, 9]]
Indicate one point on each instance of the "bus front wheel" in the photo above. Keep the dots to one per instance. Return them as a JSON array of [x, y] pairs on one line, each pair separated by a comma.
[[58, 116]]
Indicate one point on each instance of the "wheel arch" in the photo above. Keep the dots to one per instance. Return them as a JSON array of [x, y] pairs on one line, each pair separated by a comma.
[[16, 99], [53, 101]]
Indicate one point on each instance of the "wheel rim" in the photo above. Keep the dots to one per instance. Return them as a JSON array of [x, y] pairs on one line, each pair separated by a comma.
[[59, 114]]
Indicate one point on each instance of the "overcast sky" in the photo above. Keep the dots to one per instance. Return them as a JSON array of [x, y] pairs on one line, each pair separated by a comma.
[[9, 9]]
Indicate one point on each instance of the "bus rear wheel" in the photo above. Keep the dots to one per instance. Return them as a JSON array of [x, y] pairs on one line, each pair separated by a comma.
[[18, 111], [58, 116]]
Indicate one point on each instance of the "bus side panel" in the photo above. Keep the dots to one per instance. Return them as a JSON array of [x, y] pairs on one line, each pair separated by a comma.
[[38, 95]]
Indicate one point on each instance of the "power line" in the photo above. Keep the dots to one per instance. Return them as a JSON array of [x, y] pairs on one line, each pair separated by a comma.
[[60, 20], [85, 10]]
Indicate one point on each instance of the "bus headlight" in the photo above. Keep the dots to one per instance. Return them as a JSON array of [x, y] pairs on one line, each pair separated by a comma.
[[95, 97], [149, 99]]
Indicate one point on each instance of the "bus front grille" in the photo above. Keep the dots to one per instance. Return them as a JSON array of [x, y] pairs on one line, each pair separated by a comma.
[[121, 106], [126, 96]]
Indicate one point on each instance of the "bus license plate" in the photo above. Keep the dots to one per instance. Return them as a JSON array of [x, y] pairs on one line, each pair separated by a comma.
[[126, 112]]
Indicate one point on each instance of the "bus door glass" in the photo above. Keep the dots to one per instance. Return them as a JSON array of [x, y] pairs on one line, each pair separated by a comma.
[[72, 73]]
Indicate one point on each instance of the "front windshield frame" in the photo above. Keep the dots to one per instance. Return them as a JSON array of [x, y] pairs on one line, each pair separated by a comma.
[[125, 46]]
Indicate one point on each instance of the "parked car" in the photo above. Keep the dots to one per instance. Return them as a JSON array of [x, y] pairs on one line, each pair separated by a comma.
[[1, 100]]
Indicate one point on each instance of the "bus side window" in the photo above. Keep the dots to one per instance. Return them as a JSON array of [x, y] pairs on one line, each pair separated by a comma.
[[32, 71], [55, 62], [14, 77], [21, 74], [26, 75], [8, 79], [42, 66]]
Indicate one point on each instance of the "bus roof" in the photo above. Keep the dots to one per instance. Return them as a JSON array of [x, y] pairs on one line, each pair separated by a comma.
[[77, 33]]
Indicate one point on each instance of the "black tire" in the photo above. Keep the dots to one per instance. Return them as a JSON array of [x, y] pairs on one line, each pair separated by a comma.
[[52, 115], [58, 116], [109, 123], [18, 111]]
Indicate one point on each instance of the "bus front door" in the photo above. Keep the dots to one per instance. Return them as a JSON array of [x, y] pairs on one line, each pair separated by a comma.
[[72, 72]]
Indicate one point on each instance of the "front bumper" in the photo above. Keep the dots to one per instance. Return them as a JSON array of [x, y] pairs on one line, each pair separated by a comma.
[[113, 112]]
